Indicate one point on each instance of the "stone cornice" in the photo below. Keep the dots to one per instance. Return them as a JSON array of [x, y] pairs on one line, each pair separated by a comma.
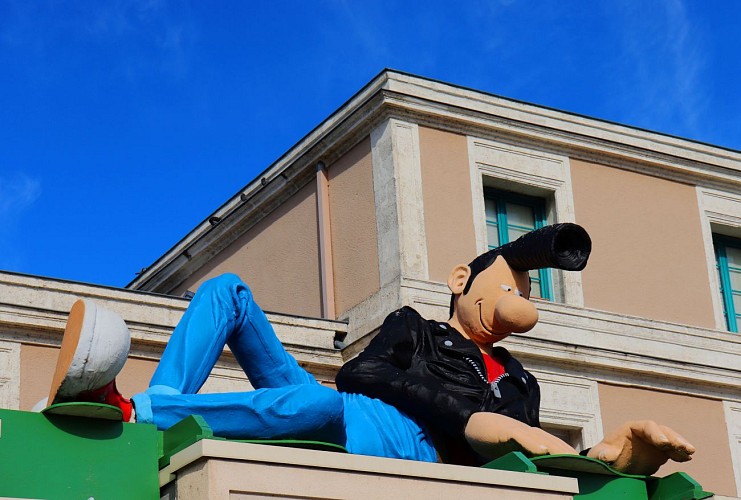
[[611, 347], [474, 113], [475, 103], [34, 310], [633, 350]]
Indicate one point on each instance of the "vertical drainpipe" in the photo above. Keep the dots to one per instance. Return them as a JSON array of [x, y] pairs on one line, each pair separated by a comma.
[[325, 241]]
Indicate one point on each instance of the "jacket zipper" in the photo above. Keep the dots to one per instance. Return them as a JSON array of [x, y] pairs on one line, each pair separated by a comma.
[[477, 368], [495, 384]]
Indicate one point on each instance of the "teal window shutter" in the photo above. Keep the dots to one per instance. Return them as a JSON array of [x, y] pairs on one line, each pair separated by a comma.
[[509, 216], [728, 263]]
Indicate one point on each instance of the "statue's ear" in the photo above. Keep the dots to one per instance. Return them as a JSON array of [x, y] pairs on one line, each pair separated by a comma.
[[458, 278]]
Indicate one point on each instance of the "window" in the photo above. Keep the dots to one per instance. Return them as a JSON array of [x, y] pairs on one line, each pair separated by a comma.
[[728, 263], [536, 174], [508, 216], [569, 435]]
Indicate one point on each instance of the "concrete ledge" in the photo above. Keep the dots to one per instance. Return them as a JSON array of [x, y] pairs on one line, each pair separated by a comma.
[[223, 469], [37, 307], [33, 312]]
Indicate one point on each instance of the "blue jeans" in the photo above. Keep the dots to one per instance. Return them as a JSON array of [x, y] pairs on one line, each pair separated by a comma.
[[287, 401]]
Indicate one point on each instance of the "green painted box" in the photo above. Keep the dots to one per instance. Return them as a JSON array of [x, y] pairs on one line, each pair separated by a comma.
[[60, 457]]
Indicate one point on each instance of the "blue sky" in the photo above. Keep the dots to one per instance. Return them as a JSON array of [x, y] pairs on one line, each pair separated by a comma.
[[124, 124]]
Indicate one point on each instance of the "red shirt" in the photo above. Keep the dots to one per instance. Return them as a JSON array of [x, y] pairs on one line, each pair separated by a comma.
[[493, 367]]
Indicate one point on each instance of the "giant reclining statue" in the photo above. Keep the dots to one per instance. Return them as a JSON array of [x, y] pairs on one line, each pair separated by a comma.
[[422, 389]]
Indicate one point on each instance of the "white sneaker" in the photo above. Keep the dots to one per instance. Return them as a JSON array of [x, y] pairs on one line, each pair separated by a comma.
[[94, 348]]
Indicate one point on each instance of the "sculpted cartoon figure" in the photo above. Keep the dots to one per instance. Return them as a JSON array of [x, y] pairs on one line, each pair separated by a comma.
[[421, 390], [475, 399]]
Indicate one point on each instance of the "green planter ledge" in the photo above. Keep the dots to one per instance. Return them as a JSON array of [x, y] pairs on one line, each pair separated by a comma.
[[597, 481], [64, 456]]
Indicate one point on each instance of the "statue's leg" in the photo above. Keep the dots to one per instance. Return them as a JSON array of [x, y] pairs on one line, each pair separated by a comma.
[[375, 428], [287, 403], [222, 312], [300, 411]]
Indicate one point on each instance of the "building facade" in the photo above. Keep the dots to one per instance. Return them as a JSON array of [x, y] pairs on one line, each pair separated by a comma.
[[373, 208]]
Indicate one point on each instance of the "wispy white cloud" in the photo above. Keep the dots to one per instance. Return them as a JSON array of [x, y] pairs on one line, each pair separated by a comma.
[[366, 33], [662, 66], [18, 193], [119, 17], [161, 26], [688, 60], [157, 34]]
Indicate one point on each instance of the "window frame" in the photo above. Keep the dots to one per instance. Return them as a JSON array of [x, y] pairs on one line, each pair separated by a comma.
[[720, 244], [538, 206], [720, 213], [533, 172]]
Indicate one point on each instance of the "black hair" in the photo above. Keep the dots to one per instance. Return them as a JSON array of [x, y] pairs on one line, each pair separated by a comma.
[[562, 246]]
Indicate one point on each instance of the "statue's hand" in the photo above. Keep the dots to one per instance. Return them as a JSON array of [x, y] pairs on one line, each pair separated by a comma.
[[492, 435], [641, 447]]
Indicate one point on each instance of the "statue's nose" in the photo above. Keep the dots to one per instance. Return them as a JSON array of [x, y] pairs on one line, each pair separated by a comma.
[[515, 314]]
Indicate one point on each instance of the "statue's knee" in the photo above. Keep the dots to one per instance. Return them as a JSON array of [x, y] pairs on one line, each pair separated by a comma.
[[226, 281]]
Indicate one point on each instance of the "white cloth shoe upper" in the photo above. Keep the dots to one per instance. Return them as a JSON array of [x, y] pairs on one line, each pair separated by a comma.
[[94, 349]]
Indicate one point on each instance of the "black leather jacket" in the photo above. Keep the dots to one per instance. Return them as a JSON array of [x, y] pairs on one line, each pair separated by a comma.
[[430, 371]]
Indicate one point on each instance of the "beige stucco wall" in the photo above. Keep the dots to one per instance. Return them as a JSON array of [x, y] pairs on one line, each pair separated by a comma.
[[278, 258], [37, 368], [446, 189], [648, 257], [701, 421], [353, 226]]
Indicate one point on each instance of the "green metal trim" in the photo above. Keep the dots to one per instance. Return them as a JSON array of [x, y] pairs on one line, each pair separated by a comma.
[[599, 481], [502, 221], [546, 287], [581, 464], [183, 434], [514, 461], [677, 486], [194, 428], [297, 443], [85, 409]]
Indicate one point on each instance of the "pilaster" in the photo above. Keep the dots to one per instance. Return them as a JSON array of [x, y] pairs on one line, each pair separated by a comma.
[[397, 180]]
